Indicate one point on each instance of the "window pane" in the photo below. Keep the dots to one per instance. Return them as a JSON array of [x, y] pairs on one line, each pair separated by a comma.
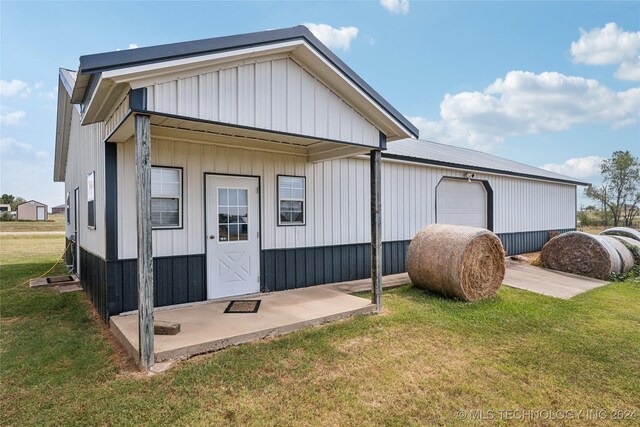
[[223, 231], [91, 178], [242, 197], [223, 198], [165, 212], [244, 232], [242, 215], [291, 199], [223, 214], [297, 216], [165, 182], [233, 232], [171, 189], [290, 205], [233, 197], [291, 187], [233, 215]]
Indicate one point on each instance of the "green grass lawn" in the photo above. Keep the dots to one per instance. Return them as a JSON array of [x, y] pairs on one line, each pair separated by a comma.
[[419, 363], [56, 222]]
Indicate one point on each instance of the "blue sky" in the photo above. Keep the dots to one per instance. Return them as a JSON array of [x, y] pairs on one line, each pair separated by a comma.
[[552, 84]]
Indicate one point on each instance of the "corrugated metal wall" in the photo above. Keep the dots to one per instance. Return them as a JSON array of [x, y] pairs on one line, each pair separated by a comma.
[[86, 154], [276, 94], [408, 192], [337, 196]]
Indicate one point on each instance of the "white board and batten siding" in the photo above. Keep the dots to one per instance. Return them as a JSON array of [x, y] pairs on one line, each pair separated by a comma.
[[274, 94], [86, 154], [337, 196], [116, 116], [519, 204]]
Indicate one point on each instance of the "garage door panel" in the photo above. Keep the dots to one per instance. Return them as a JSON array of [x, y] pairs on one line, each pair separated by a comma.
[[461, 202]]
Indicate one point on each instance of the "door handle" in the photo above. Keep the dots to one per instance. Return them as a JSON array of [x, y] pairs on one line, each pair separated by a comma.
[[212, 237]]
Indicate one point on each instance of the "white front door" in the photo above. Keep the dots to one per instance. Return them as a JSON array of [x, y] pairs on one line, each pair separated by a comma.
[[40, 213], [233, 236]]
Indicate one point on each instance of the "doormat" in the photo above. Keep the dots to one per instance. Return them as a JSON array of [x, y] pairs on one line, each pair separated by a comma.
[[59, 279], [243, 306]]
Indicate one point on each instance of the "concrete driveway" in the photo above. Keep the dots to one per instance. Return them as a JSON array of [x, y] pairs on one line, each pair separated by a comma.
[[547, 282]]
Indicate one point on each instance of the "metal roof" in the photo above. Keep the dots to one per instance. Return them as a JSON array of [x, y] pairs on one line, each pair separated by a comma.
[[100, 62], [434, 153]]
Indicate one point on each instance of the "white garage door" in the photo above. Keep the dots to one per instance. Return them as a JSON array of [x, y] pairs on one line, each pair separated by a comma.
[[461, 202]]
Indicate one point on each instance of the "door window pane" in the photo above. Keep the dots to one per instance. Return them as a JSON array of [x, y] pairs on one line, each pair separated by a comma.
[[223, 231], [233, 214]]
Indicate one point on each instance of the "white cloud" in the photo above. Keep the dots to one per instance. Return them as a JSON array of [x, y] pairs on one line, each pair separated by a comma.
[[334, 38], [396, 6], [48, 94], [610, 45], [13, 118], [10, 145], [527, 103], [14, 87], [629, 70], [577, 167], [133, 46], [624, 122]]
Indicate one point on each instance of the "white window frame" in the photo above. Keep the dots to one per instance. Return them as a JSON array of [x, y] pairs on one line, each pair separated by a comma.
[[303, 200], [180, 198]]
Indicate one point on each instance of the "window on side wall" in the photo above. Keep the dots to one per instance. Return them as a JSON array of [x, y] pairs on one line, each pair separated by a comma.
[[91, 200], [166, 197], [68, 208], [291, 200]]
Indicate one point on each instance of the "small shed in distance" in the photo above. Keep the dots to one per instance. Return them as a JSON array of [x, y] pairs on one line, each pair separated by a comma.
[[5, 207], [32, 211], [58, 209]]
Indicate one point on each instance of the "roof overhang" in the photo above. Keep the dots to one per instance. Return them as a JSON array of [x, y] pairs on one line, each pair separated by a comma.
[[104, 78], [208, 132], [66, 81]]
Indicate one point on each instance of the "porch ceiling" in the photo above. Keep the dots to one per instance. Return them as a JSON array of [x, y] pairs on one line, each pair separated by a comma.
[[179, 128]]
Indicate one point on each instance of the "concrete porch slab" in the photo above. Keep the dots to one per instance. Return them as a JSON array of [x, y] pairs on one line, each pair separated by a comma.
[[548, 282], [206, 328]]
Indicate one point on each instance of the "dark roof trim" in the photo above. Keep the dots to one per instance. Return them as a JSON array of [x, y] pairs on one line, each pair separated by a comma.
[[479, 169], [90, 64]]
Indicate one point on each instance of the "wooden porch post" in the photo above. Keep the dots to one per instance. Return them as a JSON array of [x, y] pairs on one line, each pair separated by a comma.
[[145, 248], [376, 231]]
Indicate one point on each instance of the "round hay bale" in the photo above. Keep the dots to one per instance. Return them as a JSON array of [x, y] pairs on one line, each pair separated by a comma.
[[586, 254], [622, 231], [632, 244], [457, 261], [626, 257]]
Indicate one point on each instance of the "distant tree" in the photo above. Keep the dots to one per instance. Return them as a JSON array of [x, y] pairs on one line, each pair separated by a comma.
[[590, 208], [17, 201], [619, 192], [7, 198]]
